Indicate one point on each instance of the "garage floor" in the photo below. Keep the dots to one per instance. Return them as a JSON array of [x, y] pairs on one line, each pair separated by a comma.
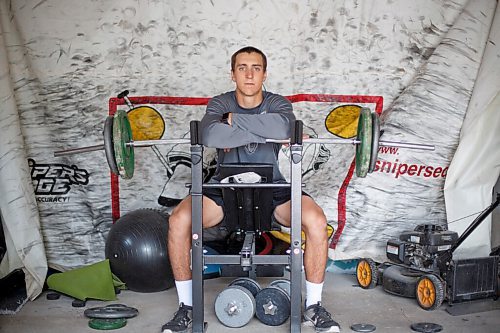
[[349, 304]]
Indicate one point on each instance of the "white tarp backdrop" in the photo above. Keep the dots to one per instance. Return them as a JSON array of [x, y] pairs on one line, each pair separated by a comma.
[[62, 60], [475, 167]]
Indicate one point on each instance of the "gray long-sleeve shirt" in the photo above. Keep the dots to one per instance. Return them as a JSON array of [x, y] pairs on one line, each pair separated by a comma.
[[249, 130]]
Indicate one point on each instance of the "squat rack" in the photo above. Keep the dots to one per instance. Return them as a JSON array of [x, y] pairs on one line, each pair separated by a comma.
[[199, 259]]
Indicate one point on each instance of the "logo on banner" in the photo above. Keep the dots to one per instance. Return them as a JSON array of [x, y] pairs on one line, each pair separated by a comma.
[[52, 182]]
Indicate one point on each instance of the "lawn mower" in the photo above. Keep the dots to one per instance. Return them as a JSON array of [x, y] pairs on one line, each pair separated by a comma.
[[421, 266]]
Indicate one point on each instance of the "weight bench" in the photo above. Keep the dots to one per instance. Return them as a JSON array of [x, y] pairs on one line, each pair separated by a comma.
[[247, 215], [247, 258]]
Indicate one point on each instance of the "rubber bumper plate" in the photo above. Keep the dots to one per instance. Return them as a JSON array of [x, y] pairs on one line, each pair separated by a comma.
[[426, 327], [107, 324], [363, 327]]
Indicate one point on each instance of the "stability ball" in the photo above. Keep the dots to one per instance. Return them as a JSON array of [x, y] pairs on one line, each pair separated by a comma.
[[137, 250]]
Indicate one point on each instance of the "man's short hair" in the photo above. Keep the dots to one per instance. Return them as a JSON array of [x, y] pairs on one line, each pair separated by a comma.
[[248, 49]]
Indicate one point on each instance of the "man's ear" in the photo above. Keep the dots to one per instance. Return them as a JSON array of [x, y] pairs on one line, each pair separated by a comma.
[[265, 77], [232, 76]]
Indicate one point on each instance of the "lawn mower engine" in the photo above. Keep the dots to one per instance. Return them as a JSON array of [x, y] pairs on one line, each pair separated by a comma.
[[421, 248]]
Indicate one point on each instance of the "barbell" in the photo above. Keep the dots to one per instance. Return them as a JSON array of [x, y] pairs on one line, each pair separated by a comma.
[[119, 144]]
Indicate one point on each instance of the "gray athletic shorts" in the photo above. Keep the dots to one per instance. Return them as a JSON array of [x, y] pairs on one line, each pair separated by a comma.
[[280, 195], [219, 231]]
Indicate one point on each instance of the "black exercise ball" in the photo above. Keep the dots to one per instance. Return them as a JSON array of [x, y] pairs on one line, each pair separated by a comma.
[[137, 250]]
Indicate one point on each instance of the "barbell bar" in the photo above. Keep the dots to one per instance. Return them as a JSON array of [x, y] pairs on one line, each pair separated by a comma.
[[149, 143], [328, 141], [119, 145], [73, 151]]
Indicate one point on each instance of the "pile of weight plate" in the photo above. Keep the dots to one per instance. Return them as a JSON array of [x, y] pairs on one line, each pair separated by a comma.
[[110, 317]]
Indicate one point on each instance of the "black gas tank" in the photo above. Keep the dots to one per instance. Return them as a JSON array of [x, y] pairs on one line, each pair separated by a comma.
[[431, 235]]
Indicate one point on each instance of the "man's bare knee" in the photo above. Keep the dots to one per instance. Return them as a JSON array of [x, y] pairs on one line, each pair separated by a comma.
[[314, 222], [181, 215], [212, 213]]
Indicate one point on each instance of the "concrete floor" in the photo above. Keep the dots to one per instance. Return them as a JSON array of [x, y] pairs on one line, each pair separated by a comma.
[[349, 304]]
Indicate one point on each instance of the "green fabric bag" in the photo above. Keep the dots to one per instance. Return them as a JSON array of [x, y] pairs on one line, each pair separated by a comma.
[[94, 281]]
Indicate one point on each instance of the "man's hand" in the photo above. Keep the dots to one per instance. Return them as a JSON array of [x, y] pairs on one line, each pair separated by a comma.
[[227, 118]]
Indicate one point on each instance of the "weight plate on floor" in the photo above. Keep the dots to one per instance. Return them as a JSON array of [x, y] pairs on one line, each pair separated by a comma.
[[108, 144], [235, 306], [426, 327], [247, 283], [283, 284], [122, 134], [363, 327], [53, 296], [272, 306], [111, 311], [375, 139], [77, 303], [107, 324], [364, 147]]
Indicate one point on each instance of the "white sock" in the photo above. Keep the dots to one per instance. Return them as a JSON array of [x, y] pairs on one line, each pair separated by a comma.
[[185, 292], [313, 293]]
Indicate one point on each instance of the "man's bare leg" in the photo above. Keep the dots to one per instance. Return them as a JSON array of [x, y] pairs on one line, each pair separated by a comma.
[[179, 234], [179, 246], [314, 225]]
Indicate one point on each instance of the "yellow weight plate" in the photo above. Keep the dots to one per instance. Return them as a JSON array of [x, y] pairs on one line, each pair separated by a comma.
[[343, 121], [146, 123]]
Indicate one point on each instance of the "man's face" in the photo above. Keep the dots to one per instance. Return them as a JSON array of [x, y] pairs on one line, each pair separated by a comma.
[[249, 74]]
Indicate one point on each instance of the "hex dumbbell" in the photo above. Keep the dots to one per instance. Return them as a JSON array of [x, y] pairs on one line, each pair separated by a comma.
[[235, 305], [273, 303]]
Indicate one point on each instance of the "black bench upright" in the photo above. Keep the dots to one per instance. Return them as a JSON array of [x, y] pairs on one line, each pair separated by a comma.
[[253, 219]]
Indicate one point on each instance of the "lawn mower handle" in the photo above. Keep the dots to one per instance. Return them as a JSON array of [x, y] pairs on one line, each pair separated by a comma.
[[475, 223]]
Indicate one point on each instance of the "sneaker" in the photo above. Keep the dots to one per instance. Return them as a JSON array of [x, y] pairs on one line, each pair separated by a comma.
[[181, 322], [317, 316]]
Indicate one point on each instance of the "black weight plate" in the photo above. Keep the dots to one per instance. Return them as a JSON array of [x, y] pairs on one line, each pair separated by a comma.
[[426, 327], [272, 306], [247, 283], [111, 311], [108, 144], [78, 303], [363, 327], [107, 324], [375, 139], [53, 296], [283, 284]]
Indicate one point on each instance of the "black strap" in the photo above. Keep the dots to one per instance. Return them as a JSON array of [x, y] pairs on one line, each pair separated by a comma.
[[241, 209], [256, 210]]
